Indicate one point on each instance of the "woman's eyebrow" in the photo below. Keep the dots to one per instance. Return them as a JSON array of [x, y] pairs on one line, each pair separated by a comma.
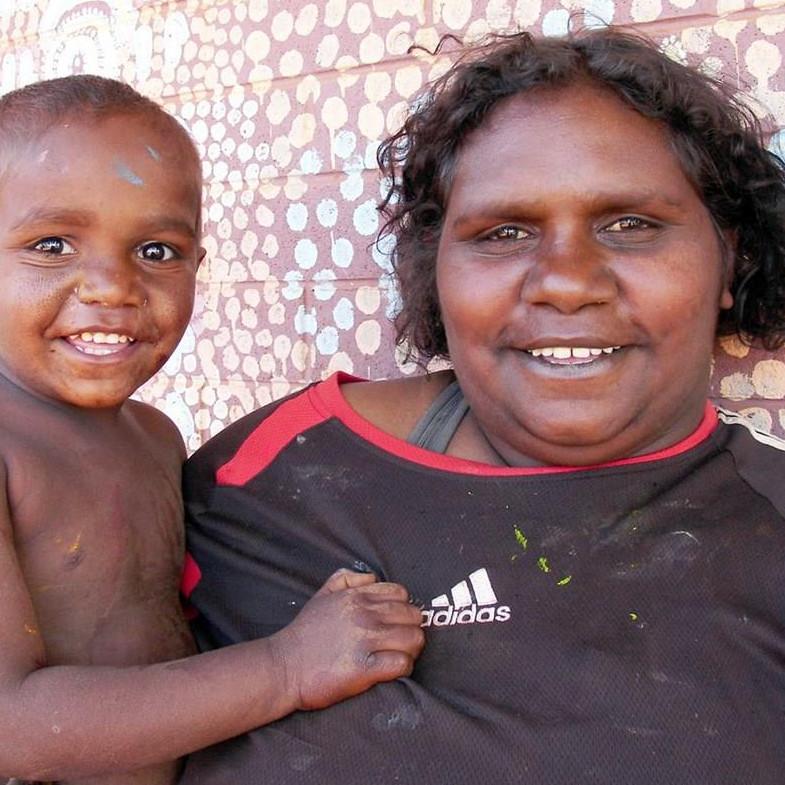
[[531, 207]]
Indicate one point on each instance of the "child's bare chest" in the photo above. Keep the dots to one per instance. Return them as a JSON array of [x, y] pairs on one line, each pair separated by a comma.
[[100, 541]]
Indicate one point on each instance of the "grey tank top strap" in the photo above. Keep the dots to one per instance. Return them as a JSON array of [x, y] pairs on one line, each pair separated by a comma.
[[438, 425]]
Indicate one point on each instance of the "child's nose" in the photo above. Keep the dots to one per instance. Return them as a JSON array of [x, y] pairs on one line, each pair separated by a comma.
[[111, 282]]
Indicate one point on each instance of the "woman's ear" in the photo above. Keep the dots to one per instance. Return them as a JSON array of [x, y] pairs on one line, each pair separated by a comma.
[[729, 242]]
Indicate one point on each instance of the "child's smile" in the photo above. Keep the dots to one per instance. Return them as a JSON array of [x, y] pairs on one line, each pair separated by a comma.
[[100, 344], [100, 246]]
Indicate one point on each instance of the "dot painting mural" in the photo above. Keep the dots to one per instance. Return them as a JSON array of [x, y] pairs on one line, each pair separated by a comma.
[[287, 103]]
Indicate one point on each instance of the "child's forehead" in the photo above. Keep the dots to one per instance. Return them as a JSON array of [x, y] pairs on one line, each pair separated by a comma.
[[123, 142], [115, 132], [72, 161]]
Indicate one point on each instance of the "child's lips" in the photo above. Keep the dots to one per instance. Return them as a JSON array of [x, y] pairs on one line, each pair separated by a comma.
[[99, 343]]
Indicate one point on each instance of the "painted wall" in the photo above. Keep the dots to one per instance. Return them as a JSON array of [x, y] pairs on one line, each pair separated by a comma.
[[287, 102]]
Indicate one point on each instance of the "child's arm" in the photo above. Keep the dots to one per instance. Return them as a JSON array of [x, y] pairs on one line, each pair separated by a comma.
[[63, 721]]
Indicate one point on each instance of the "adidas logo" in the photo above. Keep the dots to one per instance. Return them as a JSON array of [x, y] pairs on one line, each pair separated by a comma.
[[463, 608]]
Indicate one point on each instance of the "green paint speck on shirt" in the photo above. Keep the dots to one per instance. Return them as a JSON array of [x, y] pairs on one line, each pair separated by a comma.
[[520, 538], [564, 581], [542, 563]]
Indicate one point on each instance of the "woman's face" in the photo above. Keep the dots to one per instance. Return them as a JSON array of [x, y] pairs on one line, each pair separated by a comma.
[[579, 277]]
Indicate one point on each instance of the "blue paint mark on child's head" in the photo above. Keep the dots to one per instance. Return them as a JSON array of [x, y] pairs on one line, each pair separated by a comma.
[[122, 170]]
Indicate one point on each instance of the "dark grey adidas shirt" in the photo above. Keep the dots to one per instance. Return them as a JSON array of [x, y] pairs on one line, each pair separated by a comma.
[[613, 625]]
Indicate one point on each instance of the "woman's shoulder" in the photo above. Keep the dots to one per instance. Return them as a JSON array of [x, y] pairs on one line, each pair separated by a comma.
[[396, 405]]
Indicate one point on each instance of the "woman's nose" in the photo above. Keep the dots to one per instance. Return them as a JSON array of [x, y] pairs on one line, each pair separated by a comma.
[[570, 273]]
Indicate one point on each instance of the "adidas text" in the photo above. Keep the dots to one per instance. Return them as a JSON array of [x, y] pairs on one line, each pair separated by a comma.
[[474, 614], [471, 601]]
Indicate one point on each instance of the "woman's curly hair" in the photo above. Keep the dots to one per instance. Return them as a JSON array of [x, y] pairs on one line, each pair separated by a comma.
[[716, 137]]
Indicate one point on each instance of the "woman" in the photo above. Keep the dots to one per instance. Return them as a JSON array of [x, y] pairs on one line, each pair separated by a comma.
[[598, 559]]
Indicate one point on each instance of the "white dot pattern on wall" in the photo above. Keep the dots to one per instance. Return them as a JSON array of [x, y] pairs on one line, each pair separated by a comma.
[[288, 103]]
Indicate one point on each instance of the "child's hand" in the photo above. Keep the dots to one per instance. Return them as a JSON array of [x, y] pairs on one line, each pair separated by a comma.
[[353, 633]]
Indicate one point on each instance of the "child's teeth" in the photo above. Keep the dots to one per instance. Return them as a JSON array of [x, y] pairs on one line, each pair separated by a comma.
[[99, 337]]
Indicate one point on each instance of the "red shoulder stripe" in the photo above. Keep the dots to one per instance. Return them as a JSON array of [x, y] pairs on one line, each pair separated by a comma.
[[329, 397], [190, 577], [264, 444]]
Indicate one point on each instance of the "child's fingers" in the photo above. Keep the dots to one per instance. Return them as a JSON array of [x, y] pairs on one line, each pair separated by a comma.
[[389, 665], [396, 612], [346, 579], [386, 591], [405, 638]]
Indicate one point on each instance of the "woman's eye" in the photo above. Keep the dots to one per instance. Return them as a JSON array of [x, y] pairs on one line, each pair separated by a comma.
[[507, 232], [628, 223], [54, 246], [156, 252]]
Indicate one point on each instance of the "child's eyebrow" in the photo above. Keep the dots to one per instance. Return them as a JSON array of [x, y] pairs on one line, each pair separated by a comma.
[[43, 215], [167, 223], [163, 223]]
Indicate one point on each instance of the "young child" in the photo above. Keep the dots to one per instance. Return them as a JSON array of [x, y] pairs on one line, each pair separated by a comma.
[[100, 231]]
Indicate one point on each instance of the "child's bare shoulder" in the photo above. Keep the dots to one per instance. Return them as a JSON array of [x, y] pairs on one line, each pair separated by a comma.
[[153, 424]]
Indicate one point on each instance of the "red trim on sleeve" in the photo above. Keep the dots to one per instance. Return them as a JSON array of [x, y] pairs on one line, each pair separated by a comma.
[[328, 398], [272, 435], [190, 577]]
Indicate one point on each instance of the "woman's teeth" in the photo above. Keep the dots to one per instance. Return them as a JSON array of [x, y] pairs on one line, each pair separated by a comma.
[[571, 352]]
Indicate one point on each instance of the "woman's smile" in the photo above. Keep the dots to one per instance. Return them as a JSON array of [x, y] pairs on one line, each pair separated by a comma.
[[580, 278]]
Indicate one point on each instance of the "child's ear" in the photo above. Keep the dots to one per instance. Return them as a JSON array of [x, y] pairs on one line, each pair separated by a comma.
[[200, 256], [729, 240]]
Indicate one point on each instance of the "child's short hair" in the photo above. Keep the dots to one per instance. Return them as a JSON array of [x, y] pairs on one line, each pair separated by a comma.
[[29, 111], [717, 139]]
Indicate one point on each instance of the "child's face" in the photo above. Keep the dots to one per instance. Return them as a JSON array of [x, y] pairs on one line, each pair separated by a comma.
[[99, 246], [580, 279]]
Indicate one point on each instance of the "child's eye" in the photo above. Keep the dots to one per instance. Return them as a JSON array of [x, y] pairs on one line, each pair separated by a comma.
[[54, 246], [156, 252]]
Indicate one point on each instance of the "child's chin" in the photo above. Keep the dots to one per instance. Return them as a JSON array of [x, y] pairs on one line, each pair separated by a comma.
[[86, 398]]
